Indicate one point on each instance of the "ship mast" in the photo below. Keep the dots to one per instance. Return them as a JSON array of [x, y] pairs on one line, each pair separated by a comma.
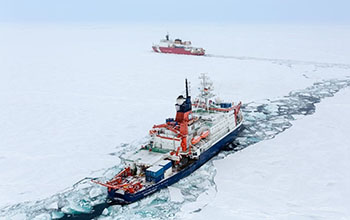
[[186, 89], [205, 91]]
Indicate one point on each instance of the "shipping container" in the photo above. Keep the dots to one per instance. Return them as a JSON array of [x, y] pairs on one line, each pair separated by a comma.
[[166, 164], [158, 178], [154, 179], [154, 171]]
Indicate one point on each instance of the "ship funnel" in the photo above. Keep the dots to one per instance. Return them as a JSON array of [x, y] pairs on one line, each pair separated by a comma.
[[183, 106]]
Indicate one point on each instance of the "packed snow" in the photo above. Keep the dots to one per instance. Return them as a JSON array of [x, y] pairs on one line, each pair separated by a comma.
[[76, 97], [301, 174]]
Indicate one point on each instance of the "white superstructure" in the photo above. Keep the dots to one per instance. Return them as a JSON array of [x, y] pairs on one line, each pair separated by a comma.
[[195, 129], [191, 138]]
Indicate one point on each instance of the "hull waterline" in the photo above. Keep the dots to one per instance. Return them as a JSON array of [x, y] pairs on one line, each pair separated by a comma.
[[127, 198]]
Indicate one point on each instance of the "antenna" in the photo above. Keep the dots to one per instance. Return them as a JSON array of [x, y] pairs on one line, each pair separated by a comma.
[[186, 89], [167, 36]]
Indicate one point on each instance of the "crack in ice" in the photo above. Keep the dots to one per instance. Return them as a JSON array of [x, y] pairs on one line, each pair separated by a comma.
[[263, 120]]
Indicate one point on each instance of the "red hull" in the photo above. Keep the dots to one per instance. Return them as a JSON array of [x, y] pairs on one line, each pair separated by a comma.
[[177, 50]]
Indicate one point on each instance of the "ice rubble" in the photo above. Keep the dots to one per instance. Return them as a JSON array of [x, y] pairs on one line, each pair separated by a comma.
[[300, 174], [263, 120]]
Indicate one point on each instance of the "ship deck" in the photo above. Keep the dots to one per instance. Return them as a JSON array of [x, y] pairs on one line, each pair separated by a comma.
[[146, 157]]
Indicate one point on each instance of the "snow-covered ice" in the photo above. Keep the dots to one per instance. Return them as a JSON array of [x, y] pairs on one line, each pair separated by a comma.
[[76, 97], [301, 174]]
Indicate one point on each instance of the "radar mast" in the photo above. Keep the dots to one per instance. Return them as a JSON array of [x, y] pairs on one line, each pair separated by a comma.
[[205, 91]]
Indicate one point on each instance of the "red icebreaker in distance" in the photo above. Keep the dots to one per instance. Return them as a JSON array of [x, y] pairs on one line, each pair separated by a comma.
[[177, 46]]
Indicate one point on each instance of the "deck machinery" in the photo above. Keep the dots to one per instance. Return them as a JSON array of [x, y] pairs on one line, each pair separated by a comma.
[[179, 146]]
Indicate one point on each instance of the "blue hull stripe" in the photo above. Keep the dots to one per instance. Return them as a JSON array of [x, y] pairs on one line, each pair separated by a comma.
[[204, 157]]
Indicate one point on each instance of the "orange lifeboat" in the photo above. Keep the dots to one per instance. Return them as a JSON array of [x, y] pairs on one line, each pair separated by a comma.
[[151, 132], [195, 140], [205, 134]]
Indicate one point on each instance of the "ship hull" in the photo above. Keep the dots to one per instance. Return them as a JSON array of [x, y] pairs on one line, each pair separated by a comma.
[[176, 50], [127, 198]]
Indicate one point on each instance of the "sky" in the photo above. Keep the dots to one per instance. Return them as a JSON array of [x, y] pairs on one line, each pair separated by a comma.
[[215, 11]]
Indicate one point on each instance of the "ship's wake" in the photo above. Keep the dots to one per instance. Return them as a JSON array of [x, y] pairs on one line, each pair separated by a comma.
[[263, 120], [288, 62]]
